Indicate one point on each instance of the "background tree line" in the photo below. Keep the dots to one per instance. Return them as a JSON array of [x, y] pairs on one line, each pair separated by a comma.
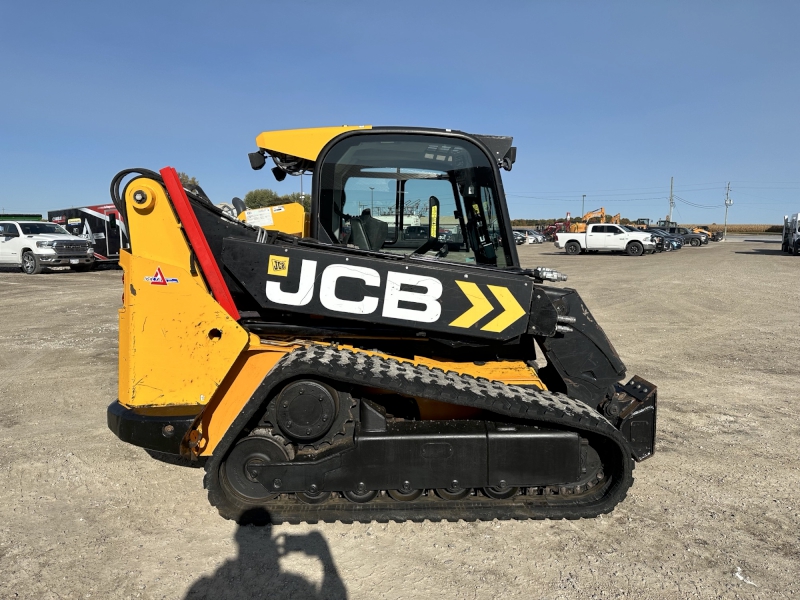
[[258, 198]]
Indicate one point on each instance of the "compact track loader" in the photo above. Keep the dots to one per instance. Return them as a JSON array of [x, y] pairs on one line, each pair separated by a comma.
[[363, 362]]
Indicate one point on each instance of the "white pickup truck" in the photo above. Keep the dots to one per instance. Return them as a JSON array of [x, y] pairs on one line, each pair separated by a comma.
[[606, 238], [33, 245]]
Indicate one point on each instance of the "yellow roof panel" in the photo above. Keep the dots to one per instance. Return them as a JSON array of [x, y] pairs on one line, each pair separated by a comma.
[[303, 143]]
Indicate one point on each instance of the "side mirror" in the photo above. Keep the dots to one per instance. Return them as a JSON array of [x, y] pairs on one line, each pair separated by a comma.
[[257, 161], [433, 211], [509, 159]]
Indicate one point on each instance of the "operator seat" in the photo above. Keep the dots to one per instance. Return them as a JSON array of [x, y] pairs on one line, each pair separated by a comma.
[[367, 232]]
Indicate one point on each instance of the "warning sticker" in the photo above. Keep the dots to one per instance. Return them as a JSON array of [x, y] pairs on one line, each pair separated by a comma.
[[159, 279], [260, 217]]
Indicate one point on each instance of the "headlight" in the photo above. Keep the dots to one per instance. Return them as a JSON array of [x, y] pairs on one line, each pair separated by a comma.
[[90, 251], [48, 244]]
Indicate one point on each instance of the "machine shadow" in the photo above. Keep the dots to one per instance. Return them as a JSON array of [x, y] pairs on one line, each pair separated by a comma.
[[255, 573], [764, 251], [178, 461]]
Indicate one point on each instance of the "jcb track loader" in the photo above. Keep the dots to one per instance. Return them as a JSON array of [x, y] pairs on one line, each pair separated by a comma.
[[338, 365]]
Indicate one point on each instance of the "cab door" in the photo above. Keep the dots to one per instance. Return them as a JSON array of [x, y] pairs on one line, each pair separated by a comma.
[[9, 243], [617, 237], [597, 237]]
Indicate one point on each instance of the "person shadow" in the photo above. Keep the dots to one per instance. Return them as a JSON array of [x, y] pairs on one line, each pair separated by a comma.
[[255, 573]]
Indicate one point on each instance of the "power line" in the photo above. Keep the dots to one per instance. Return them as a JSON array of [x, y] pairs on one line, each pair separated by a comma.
[[695, 205], [575, 199], [656, 187]]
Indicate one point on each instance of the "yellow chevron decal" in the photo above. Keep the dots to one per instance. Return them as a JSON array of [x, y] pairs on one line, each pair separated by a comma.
[[480, 305], [512, 310]]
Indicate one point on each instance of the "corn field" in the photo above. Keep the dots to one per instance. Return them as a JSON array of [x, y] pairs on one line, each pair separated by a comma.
[[739, 228]]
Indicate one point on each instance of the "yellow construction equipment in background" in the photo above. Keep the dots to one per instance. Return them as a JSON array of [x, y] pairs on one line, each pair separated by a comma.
[[580, 227]]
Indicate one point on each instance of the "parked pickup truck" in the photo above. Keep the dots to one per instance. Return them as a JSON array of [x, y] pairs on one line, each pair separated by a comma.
[[33, 245], [606, 238]]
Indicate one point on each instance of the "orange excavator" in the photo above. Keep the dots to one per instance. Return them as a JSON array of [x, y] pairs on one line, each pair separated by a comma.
[[581, 227]]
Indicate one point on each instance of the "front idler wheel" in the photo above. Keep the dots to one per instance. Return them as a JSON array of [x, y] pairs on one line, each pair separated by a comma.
[[239, 472]]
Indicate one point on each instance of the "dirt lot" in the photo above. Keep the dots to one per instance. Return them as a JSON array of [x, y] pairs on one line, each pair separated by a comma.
[[714, 514]]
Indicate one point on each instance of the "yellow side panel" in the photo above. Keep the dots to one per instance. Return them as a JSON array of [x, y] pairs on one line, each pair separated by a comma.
[[243, 379], [303, 143], [287, 218], [177, 343]]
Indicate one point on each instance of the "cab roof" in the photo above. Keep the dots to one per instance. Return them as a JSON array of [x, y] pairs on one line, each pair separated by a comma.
[[308, 143]]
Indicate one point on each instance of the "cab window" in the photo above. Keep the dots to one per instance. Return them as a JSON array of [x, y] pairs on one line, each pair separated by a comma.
[[421, 194], [8, 229]]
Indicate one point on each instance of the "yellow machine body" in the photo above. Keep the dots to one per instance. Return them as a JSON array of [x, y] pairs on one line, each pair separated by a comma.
[[289, 218], [180, 348], [177, 343], [302, 143]]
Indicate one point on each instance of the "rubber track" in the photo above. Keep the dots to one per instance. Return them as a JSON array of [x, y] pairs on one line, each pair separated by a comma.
[[542, 407]]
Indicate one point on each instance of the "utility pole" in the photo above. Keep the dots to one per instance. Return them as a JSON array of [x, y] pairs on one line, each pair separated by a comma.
[[372, 199], [671, 201], [583, 206], [728, 204], [302, 196]]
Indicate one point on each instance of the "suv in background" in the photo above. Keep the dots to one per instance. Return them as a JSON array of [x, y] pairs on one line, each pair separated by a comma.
[[33, 245], [689, 237], [416, 232]]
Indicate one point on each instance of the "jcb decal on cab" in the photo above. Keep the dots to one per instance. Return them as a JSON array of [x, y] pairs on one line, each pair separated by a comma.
[[427, 298]]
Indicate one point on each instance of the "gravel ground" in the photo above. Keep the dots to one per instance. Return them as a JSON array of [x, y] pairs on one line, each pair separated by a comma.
[[714, 514]]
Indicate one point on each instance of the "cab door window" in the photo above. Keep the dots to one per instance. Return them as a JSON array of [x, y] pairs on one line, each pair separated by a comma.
[[378, 192]]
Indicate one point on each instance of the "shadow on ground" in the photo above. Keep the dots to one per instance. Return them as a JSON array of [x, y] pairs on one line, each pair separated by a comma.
[[764, 251], [256, 573], [179, 461]]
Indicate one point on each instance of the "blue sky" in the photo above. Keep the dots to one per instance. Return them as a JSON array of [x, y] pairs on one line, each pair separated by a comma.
[[607, 99]]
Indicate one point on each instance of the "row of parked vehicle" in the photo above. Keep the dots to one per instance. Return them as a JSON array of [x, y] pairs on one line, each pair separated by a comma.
[[528, 236], [634, 241]]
